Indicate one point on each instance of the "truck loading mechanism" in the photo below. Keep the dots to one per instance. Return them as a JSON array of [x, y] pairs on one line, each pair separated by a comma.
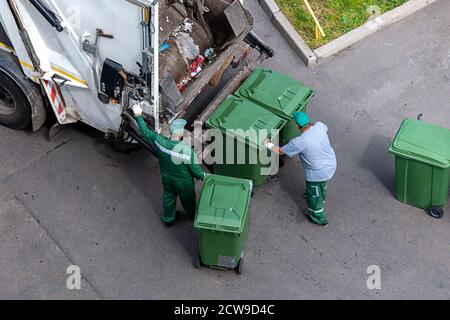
[[48, 14], [199, 40]]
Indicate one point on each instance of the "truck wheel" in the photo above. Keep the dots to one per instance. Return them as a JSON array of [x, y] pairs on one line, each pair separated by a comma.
[[436, 212], [15, 111]]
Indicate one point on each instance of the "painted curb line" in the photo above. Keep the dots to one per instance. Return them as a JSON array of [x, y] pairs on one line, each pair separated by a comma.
[[310, 57]]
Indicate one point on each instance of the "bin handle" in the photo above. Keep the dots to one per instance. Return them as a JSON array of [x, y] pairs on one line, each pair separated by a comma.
[[280, 124], [306, 100]]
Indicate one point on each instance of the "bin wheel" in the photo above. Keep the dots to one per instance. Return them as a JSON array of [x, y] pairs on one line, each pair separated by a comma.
[[240, 267], [197, 262], [436, 212]]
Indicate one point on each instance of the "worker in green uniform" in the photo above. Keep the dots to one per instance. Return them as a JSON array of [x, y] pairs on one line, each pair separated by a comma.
[[318, 161], [178, 164]]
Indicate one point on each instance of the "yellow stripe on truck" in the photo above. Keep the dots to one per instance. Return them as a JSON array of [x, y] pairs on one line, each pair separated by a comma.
[[12, 51], [29, 66], [70, 76], [5, 46]]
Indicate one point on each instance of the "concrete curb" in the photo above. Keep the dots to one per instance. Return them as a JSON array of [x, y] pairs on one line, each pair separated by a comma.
[[288, 31], [370, 27], [310, 57]]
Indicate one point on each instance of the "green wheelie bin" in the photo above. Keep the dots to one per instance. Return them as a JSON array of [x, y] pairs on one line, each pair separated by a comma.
[[240, 123], [222, 222], [279, 94], [422, 165]]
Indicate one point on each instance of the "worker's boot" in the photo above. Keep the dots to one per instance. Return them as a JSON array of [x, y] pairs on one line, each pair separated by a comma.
[[167, 224], [325, 224]]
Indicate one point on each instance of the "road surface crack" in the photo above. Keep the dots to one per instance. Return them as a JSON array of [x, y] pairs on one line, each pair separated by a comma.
[[60, 145]]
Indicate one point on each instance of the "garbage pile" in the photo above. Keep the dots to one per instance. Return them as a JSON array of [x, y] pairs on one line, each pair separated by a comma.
[[194, 60], [194, 36]]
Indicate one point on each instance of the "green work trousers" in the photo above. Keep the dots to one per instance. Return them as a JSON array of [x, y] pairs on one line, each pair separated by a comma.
[[185, 190], [316, 193]]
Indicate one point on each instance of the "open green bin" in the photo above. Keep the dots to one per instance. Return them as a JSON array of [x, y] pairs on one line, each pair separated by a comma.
[[243, 154], [222, 221], [422, 165], [279, 94]]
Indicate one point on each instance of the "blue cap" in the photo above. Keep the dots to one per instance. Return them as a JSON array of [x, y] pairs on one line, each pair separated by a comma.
[[177, 127], [302, 119]]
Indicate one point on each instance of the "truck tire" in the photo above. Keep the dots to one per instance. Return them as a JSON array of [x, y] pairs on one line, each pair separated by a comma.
[[15, 110]]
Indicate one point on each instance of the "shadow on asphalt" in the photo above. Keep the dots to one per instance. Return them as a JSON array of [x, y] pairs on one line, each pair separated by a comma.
[[293, 186], [183, 230], [377, 159]]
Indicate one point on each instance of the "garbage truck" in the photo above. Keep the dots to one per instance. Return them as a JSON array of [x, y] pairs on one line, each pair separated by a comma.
[[81, 60], [90, 61]]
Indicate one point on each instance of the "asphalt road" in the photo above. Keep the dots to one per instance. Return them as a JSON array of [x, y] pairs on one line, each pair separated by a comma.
[[75, 201]]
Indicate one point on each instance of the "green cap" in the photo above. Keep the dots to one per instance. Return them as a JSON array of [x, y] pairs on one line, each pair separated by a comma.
[[302, 119], [177, 127]]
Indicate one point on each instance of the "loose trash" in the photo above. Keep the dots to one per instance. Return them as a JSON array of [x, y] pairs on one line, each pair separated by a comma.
[[164, 46], [183, 83], [186, 45], [208, 28], [196, 67], [185, 26], [210, 54]]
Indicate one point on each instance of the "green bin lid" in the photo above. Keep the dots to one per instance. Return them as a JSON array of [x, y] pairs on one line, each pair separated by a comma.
[[275, 91], [423, 142], [238, 113], [223, 204]]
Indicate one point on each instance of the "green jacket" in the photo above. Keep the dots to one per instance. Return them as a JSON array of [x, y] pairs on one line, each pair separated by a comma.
[[176, 159]]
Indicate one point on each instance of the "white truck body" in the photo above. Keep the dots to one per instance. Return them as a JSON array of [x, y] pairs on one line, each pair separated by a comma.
[[58, 62], [65, 46]]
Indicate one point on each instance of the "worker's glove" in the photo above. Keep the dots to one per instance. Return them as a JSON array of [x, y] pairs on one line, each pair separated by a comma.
[[137, 109], [269, 145], [205, 176]]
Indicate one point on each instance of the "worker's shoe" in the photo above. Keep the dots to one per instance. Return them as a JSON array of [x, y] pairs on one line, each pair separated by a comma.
[[316, 223], [167, 224]]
